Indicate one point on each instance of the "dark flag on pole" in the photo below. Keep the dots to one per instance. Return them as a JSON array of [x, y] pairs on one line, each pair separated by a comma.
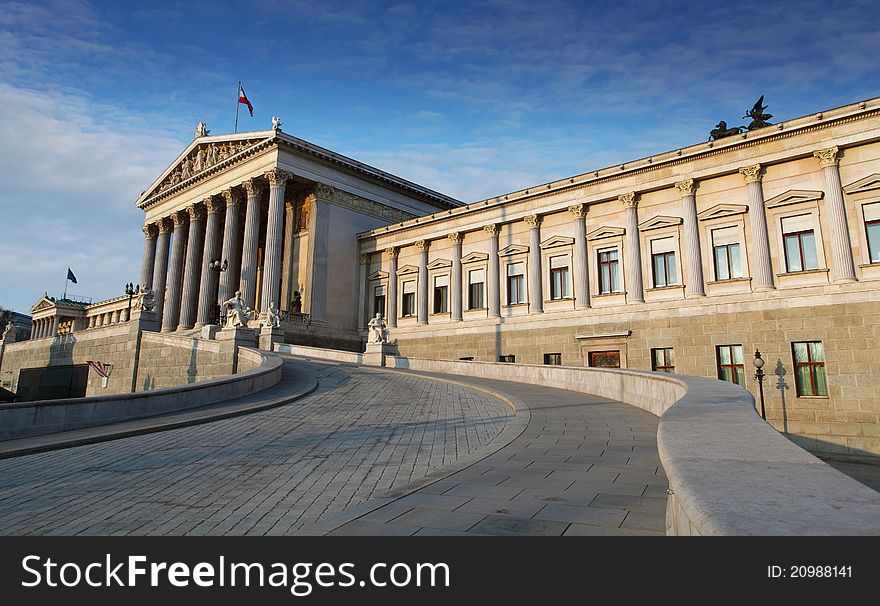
[[70, 276]]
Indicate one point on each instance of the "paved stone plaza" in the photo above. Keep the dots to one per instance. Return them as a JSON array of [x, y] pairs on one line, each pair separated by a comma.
[[359, 456]]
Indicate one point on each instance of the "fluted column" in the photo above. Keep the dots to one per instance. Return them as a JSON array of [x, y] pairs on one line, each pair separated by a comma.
[[208, 281], [455, 288], [581, 270], [175, 273], [192, 272], [536, 288], [230, 245], [54, 327], [362, 291], [160, 270], [493, 283], [693, 256], [248, 283], [422, 246], [391, 301], [762, 268], [841, 246], [274, 236], [287, 254], [635, 291], [149, 260]]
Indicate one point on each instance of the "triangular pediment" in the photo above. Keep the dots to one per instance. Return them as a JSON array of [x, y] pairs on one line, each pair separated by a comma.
[[42, 304], [659, 222], [869, 183], [555, 241], [407, 269], [203, 157], [439, 264], [606, 231], [513, 249], [722, 210], [793, 196], [378, 275], [475, 257]]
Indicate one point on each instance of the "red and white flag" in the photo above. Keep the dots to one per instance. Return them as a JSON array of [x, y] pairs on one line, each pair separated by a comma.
[[242, 98]]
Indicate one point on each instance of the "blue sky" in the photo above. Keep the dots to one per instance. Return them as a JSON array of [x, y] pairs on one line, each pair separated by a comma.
[[472, 99]]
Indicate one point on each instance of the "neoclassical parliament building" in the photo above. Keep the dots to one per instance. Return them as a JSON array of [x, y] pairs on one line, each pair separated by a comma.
[[687, 261]]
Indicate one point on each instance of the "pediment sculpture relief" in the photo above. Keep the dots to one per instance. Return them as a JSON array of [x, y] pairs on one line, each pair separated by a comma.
[[203, 157]]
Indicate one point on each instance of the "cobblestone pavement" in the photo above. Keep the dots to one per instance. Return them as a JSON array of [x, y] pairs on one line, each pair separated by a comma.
[[582, 466], [361, 434]]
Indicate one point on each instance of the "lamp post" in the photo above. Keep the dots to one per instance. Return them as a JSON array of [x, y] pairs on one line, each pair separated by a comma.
[[759, 375], [219, 267], [131, 290]]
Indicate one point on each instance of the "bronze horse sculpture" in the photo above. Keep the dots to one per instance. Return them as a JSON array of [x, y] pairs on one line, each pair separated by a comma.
[[759, 120], [721, 131]]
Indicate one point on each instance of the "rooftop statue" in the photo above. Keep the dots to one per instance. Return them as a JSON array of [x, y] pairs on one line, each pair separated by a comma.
[[202, 130], [276, 122], [759, 118], [721, 130]]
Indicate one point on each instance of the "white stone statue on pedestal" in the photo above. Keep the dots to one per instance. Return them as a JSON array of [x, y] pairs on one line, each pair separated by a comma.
[[276, 122], [378, 330], [202, 130], [9, 332], [237, 314], [273, 319]]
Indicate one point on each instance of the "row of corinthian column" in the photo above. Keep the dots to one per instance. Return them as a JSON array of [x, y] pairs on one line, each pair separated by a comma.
[[842, 264], [184, 286]]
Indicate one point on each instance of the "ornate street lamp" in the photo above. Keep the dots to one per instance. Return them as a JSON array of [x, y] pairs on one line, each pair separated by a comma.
[[217, 266], [131, 290], [759, 375]]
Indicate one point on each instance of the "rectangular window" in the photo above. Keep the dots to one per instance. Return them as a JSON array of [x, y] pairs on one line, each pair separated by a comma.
[[872, 230], [609, 271], [809, 368], [730, 364], [516, 283], [663, 262], [553, 359], [476, 280], [728, 264], [800, 243], [409, 299], [559, 277], [509, 358], [467, 359], [441, 294], [663, 359], [379, 300], [605, 359]]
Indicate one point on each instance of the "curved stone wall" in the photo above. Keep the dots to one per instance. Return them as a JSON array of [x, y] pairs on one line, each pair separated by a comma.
[[730, 473]]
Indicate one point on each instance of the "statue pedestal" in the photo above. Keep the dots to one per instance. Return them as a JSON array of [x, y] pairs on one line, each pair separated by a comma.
[[269, 335], [243, 337], [375, 353]]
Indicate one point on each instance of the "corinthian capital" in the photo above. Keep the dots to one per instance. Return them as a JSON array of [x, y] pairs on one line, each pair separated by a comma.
[[533, 221], [456, 237], [196, 212], [493, 229], [752, 173], [164, 225], [179, 219], [253, 187], [578, 211], [422, 244], [686, 187], [277, 178], [392, 251], [324, 192], [149, 230], [828, 157], [232, 197], [628, 199], [365, 259], [212, 204]]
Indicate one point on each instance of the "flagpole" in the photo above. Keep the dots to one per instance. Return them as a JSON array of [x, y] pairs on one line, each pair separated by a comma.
[[237, 103], [64, 296]]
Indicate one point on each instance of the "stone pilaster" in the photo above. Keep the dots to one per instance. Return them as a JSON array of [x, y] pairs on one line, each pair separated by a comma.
[[231, 250], [422, 246], [693, 256], [248, 281], [762, 268], [455, 297], [171, 314], [391, 300], [208, 282], [287, 255], [319, 243], [149, 259], [581, 270], [362, 291], [192, 272], [635, 291], [160, 270], [536, 286], [493, 282], [274, 236], [841, 246]]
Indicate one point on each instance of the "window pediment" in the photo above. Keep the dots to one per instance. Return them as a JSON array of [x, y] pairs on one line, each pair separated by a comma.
[[794, 196], [660, 221], [513, 249], [407, 270], [475, 257], [722, 210], [606, 231], [378, 275], [869, 183], [439, 264], [556, 241]]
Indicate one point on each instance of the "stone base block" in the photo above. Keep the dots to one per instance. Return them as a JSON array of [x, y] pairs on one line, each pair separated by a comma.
[[375, 353], [209, 332], [242, 337], [269, 336]]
